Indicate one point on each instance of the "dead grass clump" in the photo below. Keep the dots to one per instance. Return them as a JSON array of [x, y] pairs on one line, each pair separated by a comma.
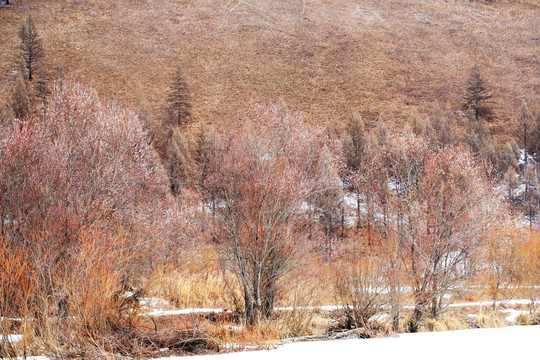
[[230, 332], [199, 285], [186, 290], [185, 341], [444, 323], [489, 319], [308, 286], [528, 319], [301, 322], [79, 306], [385, 323], [83, 304], [16, 288]]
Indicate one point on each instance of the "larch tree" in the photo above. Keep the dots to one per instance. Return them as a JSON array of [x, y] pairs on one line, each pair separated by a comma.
[[353, 148], [354, 141], [531, 195], [179, 100], [30, 47], [524, 131], [172, 142], [477, 100], [478, 95]]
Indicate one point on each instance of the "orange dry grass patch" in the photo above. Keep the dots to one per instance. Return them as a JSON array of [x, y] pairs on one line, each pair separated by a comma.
[[16, 287], [196, 282], [75, 305]]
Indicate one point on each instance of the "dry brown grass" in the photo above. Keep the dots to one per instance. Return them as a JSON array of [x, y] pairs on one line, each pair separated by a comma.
[[188, 290], [196, 282], [202, 284], [452, 319], [528, 319], [490, 319], [444, 323], [389, 59]]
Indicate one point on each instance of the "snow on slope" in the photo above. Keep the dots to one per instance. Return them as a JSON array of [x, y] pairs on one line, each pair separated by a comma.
[[515, 342]]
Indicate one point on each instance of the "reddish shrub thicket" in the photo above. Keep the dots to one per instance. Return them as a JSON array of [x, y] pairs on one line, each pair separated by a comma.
[[82, 162], [442, 206], [80, 190]]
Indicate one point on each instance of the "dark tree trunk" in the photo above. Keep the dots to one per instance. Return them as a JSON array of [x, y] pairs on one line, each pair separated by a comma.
[[417, 316]]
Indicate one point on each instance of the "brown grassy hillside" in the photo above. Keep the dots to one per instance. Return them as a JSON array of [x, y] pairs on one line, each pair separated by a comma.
[[386, 58]]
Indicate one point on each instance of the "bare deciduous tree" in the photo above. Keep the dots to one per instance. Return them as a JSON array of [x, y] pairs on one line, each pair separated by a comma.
[[442, 204], [530, 262], [361, 288], [264, 177], [502, 260]]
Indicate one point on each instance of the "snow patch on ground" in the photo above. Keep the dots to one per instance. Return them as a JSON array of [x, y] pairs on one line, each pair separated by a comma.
[[488, 303], [12, 338], [513, 314], [154, 302], [530, 158], [184, 311], [514, 342], [159, 312]]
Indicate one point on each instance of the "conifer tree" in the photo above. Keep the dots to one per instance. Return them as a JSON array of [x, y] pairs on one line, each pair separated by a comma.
[[354, 141], [179, 100], [524, 131], [478, 95], [30, 47]]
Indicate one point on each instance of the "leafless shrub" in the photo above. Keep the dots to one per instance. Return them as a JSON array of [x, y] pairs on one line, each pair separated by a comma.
[[263, 176], [362, 288]]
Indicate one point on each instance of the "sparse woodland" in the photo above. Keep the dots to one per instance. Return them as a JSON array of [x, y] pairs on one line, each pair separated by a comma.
[[299, 190]]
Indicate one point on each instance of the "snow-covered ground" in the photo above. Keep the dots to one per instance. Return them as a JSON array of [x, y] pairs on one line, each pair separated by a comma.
[[515, 342]]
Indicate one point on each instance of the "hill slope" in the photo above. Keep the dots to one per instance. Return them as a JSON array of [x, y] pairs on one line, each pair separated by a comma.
[[388, 59]]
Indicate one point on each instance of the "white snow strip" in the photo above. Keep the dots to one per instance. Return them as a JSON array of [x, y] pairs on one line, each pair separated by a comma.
[[514, 342], [380, 317], [513, 314], [158, 312], [488, 303], [323, 307], [183, 311], [153, 302], [12, 338]]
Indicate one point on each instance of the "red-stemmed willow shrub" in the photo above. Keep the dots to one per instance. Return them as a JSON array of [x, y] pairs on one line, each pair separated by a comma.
[[266, 176], [79, 185]]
